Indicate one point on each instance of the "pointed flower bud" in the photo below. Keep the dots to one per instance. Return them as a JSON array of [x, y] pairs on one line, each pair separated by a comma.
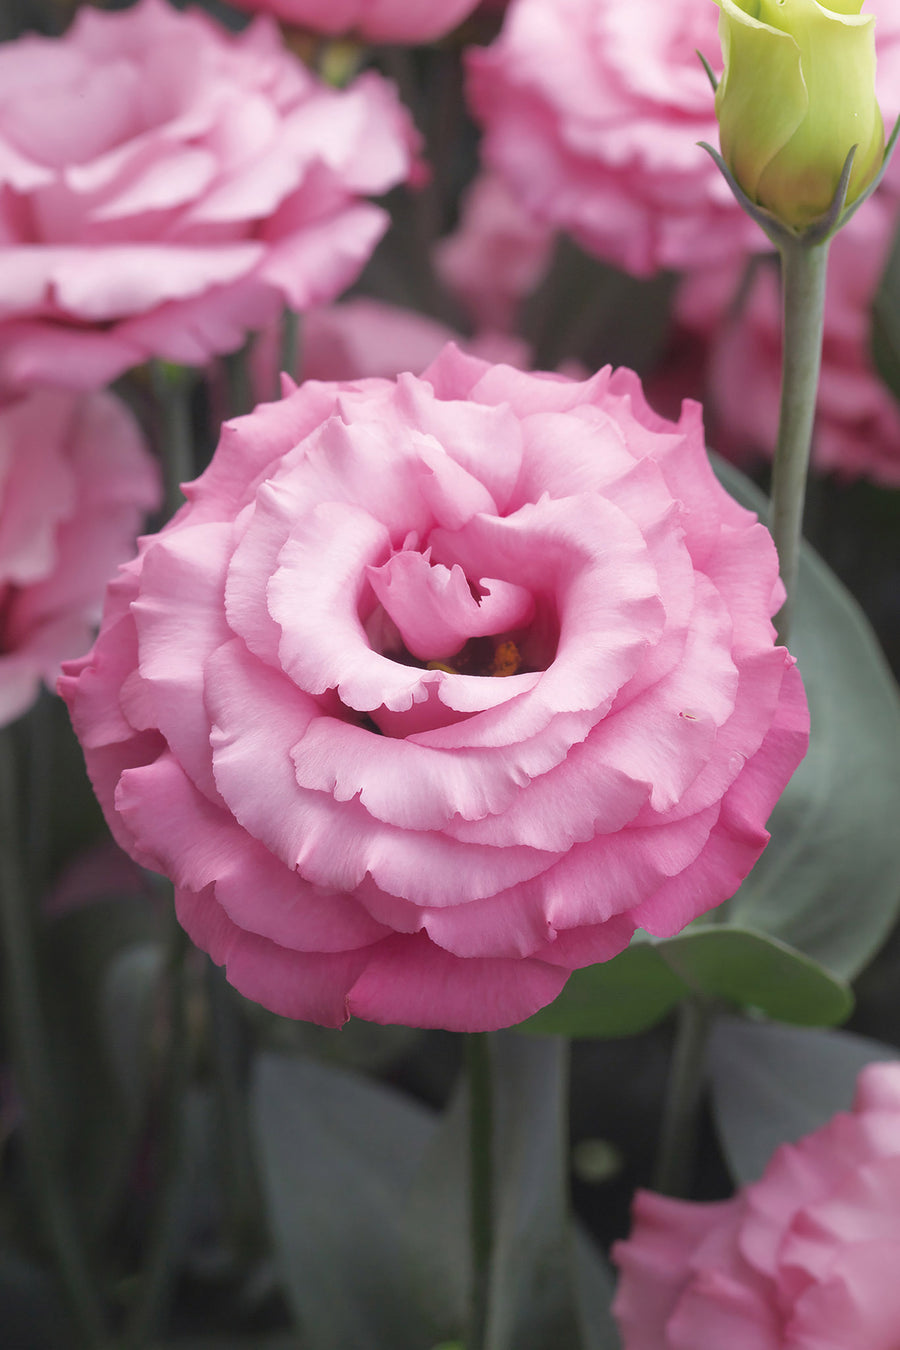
[[797, 94]]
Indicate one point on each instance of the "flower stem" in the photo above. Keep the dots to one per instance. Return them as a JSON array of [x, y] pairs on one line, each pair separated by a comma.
[[684, 1093], [290, 350], [803, 273], [167, 1219], [28, 1045], [481, 1181], [172, 388]]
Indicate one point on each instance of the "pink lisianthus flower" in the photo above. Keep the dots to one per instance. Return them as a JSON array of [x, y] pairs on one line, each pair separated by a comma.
[[804, 1259], [75, 482], [166, 186], [496, 256], [401, 21], [436, 689], [362, 337], [857, 430], [592, 110]]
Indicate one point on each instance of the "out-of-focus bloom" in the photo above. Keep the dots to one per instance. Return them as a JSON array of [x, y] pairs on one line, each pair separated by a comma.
[[797, 94], [804, 1259], [437, 689], [857, 430], [75, 483], [402, 21], [362, 337], [166, 186], [495, 257], [591, 111]]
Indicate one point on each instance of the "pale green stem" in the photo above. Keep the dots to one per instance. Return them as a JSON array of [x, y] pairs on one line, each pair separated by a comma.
[[481, 1183], [27, 1043], [238, 377], [166, 1222], [172, 388], [243, 1202], [803, 272], [684, 1095], [289, 361]]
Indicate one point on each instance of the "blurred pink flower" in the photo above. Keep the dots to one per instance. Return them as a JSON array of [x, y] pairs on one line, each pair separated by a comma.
[[495, 257], [75, 483], [592, 110], [437, 689], [804, 1259], [362, 337], [402, 21], [857, 429], [166, 186]]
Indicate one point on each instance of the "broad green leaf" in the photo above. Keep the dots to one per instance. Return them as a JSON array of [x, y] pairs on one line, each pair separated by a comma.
[[96, 1119], [129, 993], [757, 971], [338, 1153], [437, 1217], [596, 1287], [533, 1296], [639, 987], [545, 1291], [621, 997], [773, 1084], [829, 881]]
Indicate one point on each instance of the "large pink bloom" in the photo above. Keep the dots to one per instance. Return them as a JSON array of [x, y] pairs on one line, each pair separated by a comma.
[[166, 186], [804, 1259], [436, 689], [404, 21], [592, 109], [857, 430], [75, 482]]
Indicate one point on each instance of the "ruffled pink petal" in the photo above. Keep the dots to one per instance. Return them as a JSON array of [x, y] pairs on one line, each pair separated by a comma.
[[436, 612], [118, 280], [410, 981], [180, 621], [257, 715], [316, 263], [719, 1310], [462, 428], [858, 1304], [310, 986], [863, 1207], [655, 1263]]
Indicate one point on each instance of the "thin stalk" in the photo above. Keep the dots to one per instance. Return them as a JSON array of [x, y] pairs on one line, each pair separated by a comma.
[[28, 1044], [684, 1094], [172, 388], [242, 1195], [238, 378], [803, 273], [166, 1222], [289, 356], [481, 1183]]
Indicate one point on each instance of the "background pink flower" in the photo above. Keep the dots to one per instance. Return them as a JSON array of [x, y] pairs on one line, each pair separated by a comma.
[[857, 428], [438, 688], [591, 111], [363, 337], [495, 257], [75, 482], [166, 186], [804, 1259], [403, 21]]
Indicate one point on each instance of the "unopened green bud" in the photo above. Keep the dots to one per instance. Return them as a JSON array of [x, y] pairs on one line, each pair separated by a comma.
[[798, 93]]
